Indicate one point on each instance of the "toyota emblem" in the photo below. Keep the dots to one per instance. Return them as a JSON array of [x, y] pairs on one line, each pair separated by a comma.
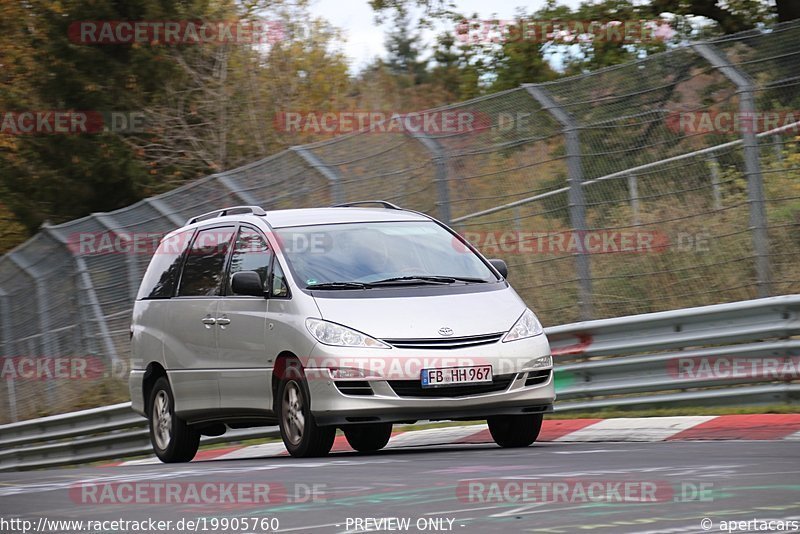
[[445, 331]]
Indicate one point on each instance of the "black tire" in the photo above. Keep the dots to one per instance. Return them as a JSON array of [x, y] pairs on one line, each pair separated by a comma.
[[302, 436], [368, 437], [515, 430], [173, 440]]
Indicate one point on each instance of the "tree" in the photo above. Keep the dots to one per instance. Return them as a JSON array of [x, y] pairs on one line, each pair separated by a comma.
[[404, 55], [208, 107], [731, 16], [457, 68], [519, 60]]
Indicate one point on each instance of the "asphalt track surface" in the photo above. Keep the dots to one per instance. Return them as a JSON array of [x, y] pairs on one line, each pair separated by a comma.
[[717, 480]]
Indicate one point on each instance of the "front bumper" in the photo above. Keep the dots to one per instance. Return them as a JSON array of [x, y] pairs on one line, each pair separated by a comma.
[[331, 406]]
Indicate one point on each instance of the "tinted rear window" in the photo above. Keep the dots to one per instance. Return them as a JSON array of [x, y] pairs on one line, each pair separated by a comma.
[[162, 273], [204, 268]]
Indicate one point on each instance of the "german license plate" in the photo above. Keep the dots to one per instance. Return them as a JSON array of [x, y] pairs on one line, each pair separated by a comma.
[[452, 376]]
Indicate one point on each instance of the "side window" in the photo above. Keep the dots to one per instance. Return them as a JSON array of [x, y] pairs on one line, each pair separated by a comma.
[[204, 268], [251, 253], [279, 286], [165, 266]]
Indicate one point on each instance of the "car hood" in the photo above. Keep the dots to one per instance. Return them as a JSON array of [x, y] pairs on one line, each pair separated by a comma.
[[467, 314]]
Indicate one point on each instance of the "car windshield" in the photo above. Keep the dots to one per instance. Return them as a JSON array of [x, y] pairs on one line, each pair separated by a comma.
[[362, 255]]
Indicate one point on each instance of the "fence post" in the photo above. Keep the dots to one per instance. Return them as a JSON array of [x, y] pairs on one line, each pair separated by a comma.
[[577, 202], [777, 143], [86, 287], [108, 222], [439, 157], [325, 170], [5, 336], [161, 207], [715, 185], [745, 87], [633, 190], [230, 184], [45, 325]]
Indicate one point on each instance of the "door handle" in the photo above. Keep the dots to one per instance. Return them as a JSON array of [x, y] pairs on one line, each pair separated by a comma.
[[209, 321], [223, 321]]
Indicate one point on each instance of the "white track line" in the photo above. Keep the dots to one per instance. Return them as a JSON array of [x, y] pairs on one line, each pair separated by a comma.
[[635, 429]]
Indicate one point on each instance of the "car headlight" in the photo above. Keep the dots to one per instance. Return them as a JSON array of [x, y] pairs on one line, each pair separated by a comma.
[[526, 326], [341, 336]]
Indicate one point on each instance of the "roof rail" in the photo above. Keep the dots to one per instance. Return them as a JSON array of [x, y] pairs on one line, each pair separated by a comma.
[[235, 210], [387, 205]]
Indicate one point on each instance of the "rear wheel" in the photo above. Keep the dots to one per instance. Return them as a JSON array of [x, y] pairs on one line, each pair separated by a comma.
[[301, 435], [173, 440], [368, 437], [515, 430]]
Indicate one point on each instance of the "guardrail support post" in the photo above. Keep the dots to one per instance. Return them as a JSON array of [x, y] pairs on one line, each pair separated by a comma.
[[439, 157], [746, 87], [333, 177], [577, 201], [5, 336]]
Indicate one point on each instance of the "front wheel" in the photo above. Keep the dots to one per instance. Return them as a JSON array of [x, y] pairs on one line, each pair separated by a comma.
[[368, 437], [173, 440], [300, 433], [515, 430]]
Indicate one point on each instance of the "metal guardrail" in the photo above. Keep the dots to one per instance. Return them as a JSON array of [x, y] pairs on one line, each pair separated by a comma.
[[623, 362], [109, 432], [668, 358]]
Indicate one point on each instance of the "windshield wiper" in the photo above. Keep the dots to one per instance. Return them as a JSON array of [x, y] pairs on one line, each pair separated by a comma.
[[338, 285], [468, 279], [425, 279]]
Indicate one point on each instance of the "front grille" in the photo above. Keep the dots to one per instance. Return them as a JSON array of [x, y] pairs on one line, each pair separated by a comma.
[[354, 387], [538, 377], [413, 388], [445, 343]]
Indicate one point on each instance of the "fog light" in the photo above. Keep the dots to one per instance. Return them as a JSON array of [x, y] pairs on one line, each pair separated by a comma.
[[539, 363], [346, 372]]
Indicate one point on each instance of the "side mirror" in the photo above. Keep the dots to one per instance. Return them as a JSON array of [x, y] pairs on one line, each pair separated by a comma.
[[501, 266], [247, 283]]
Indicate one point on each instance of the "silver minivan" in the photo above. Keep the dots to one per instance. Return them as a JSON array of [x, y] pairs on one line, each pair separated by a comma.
[[353, 317]]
